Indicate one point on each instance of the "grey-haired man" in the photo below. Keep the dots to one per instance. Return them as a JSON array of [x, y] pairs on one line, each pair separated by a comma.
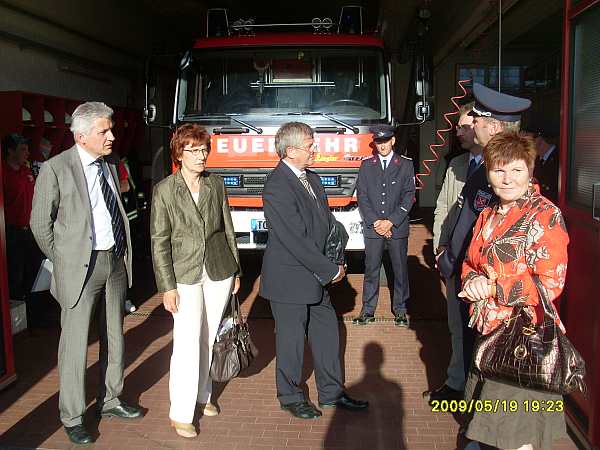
[[80, 225]]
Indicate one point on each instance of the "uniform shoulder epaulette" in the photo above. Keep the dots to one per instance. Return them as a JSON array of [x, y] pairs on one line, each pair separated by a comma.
[[406, 157]]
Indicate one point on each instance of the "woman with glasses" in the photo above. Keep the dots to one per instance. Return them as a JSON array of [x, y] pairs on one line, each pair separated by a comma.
[[196, 265]]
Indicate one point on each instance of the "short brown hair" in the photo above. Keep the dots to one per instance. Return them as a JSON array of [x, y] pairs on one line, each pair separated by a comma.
[[507, 147], [465, 109], [190, 133]]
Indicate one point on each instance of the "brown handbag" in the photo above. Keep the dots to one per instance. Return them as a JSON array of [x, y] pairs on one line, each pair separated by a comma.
[[531, 356], [234, 351]]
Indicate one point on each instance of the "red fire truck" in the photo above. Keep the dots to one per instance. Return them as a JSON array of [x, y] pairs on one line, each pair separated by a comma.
[[242, 85]]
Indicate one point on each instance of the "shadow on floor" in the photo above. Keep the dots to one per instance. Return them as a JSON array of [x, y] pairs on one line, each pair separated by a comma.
[[379, 426]]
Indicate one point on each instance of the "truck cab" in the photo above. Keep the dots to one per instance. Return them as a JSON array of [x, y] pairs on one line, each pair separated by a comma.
[[242, 88]]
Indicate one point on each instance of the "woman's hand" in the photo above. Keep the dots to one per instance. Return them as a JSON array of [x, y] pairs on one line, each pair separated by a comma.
[[236, 285], [478, 288], [171, 300]]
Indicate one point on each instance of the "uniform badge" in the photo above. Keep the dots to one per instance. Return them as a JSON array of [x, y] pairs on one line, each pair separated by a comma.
[[482, 199]]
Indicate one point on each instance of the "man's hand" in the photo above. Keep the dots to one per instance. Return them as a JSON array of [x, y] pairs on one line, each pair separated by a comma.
[[441, 249], [236, 285], [171, 300], [382, 227], [341, 275]]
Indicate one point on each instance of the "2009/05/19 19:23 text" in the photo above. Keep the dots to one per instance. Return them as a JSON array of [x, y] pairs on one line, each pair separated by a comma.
[[494, 406]]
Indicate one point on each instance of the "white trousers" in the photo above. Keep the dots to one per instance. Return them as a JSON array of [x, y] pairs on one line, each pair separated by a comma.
[[195, 327]]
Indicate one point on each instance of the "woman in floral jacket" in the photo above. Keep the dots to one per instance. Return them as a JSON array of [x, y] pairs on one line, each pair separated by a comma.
[[521, 236]]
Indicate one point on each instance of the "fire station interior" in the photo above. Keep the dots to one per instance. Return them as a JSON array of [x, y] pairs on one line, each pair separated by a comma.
[[57, 53]]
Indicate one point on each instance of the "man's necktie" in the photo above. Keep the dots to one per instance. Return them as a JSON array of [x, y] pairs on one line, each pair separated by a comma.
[[472, 166], [384, 164], [306, 185], [116, 218]]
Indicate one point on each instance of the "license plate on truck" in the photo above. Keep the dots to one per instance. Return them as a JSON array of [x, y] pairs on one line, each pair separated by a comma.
[[258, 225]]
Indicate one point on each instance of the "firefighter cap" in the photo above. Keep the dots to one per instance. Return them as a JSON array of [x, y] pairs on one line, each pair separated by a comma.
[[382, 132], [491, 103]]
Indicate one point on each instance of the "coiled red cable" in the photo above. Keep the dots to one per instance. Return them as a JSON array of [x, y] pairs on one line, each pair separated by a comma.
[[419, 182]]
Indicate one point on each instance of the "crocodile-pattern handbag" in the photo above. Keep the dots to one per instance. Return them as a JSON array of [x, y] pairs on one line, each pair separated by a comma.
[[532, 356]]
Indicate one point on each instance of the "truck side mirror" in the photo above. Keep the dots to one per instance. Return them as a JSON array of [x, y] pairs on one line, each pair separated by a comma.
[[150, 113], [423, 110]]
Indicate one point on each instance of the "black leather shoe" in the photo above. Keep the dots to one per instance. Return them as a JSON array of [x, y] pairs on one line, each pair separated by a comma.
[[346, 402], [444, 392], [363, 319], [401, 320], [302, 410], [123, 411], [78, 435]]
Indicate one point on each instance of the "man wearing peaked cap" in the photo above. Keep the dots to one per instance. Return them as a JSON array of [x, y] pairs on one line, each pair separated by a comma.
[[382, 132], [495, 112], [385, 191]]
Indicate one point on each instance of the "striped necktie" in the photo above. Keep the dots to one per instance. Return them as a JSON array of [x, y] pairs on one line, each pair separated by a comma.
[[306, 185], [116, 219]]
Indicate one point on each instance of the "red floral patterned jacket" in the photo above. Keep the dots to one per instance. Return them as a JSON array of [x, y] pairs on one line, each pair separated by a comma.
[[531, 240]]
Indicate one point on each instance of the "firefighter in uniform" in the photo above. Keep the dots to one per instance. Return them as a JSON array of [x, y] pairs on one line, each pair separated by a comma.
[[493, 113], [386, 191]]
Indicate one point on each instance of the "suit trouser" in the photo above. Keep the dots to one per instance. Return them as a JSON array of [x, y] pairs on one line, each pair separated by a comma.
[[195, 327], [318, 322], [105, 286], [461, 336], [398, 250]]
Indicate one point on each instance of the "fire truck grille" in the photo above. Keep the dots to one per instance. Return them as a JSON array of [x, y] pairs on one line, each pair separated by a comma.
[[251, 182]]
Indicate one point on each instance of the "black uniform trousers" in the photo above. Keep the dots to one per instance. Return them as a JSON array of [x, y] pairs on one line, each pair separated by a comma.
[[398, 250], [318, 322]]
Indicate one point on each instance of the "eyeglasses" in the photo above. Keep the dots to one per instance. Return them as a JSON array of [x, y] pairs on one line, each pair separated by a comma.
[[197, 151], [312, 149]]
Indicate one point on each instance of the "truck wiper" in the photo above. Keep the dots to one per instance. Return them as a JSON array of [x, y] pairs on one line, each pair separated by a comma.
[[336, 120], [258, 130]]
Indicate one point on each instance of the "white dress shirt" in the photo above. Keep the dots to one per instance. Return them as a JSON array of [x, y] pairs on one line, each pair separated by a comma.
[[387, 158], [102, 232]]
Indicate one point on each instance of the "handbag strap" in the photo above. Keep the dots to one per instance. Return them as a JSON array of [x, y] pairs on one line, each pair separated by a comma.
[[549, 310], [235, 310]]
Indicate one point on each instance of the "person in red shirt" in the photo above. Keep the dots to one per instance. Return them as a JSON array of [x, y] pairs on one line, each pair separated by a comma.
[[22, 253]]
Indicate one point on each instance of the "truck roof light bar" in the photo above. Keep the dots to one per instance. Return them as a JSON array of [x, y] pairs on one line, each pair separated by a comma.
[[248, 26]]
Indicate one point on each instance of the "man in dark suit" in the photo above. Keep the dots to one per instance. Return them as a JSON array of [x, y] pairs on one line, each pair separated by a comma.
[[546, 166], [386, 191], [295, 272], [80, 224]]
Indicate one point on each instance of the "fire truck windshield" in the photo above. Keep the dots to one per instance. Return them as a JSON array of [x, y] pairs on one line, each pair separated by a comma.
[[349, 83]]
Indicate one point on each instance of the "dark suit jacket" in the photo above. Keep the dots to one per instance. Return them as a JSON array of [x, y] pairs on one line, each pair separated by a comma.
[[388, 195], [475, 197], [294, 268], [546, 174], [61, 221]]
